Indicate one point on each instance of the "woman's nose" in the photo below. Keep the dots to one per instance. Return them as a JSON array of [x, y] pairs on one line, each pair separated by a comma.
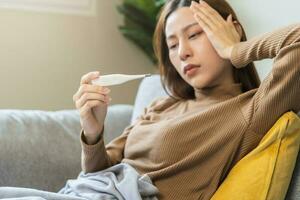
[[185, 51]]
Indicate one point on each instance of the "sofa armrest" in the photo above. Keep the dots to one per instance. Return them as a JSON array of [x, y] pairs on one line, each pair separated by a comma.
[[41, 149]]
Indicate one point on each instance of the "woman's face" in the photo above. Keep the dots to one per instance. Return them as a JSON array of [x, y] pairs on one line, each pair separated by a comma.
[[188, 44]]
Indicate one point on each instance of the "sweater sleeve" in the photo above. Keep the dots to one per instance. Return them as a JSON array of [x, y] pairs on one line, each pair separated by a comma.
[[98, 156], [279, 92]]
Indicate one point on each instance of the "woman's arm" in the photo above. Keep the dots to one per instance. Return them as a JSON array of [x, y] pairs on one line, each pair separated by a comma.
[[98, 157], [279, 92], [264, 46]]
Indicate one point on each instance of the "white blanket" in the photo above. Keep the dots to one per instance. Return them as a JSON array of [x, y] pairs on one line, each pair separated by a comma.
[[119, 182]]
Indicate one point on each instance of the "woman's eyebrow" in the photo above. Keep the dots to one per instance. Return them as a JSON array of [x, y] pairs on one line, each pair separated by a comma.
[[183, 29]]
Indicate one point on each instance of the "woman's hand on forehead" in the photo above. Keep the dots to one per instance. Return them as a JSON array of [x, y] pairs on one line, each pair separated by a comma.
[[222, 34]]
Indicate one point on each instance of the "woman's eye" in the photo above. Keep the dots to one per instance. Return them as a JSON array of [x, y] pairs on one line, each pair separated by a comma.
[[194, 35], [173, 46]]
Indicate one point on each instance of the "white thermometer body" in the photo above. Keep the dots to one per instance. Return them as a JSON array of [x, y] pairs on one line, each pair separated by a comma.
[[116, 79]]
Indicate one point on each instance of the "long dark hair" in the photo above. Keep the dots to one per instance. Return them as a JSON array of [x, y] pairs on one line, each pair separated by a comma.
[[170, 78]]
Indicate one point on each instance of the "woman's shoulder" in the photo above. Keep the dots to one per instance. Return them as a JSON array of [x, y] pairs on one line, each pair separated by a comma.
[[161, 103]]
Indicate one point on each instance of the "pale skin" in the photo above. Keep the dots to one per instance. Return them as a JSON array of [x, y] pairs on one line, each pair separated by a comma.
[[199, 35]]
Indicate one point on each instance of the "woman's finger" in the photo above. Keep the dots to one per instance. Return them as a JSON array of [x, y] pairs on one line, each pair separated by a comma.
[[231, 24], [233, 29], [87, 78], [212, 17], [91, 96], [203, 25], [218, 18], [205, 18], [86, 88], [88, 106]]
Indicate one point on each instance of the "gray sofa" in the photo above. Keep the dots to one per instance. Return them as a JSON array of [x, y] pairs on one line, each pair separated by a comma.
[[41, 149]]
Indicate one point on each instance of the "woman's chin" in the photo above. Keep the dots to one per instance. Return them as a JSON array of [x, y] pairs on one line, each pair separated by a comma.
[[198, 81]]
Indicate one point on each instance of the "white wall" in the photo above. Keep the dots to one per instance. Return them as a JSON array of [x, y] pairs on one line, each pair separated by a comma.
[[43, 55], [261, 16]]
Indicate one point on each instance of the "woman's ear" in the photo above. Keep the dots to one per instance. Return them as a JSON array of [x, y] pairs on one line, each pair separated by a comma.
[[238, 28]]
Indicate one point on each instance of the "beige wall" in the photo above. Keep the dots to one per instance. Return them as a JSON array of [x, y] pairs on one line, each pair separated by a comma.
[[43, 55]]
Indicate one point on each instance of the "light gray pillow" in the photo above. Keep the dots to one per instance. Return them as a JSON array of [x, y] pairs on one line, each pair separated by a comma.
[[149, 89]]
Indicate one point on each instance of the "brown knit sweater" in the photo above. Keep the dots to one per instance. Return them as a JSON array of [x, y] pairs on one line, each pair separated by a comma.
[[188, 147]]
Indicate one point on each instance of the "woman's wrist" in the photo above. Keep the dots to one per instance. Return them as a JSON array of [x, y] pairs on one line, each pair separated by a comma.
[[229, 52], [91, 140]]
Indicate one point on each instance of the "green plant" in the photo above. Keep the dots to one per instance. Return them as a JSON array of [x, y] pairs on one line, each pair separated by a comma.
[[140, 17]]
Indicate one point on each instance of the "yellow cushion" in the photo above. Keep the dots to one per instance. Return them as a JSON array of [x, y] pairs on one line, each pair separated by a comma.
[[265, 173]]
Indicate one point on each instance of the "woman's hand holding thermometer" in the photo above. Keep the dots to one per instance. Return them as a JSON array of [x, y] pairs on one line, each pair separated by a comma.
[[91, 99]]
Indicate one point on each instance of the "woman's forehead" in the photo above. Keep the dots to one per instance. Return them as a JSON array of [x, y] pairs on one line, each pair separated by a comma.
[[179, 20]]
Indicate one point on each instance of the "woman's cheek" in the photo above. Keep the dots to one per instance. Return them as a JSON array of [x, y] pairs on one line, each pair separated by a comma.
[[173, 58]]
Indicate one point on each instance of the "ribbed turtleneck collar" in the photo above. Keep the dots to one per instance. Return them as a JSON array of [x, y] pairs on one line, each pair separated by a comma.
[[220, 92]]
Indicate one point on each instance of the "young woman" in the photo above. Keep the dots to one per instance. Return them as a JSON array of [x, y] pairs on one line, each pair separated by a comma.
[[216, 112]]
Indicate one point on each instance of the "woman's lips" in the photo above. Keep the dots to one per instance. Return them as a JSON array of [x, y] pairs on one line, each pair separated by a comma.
[[191, 71], [190, 67]]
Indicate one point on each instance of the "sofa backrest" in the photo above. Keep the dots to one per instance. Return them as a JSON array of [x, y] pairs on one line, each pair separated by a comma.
[[41, 149]]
